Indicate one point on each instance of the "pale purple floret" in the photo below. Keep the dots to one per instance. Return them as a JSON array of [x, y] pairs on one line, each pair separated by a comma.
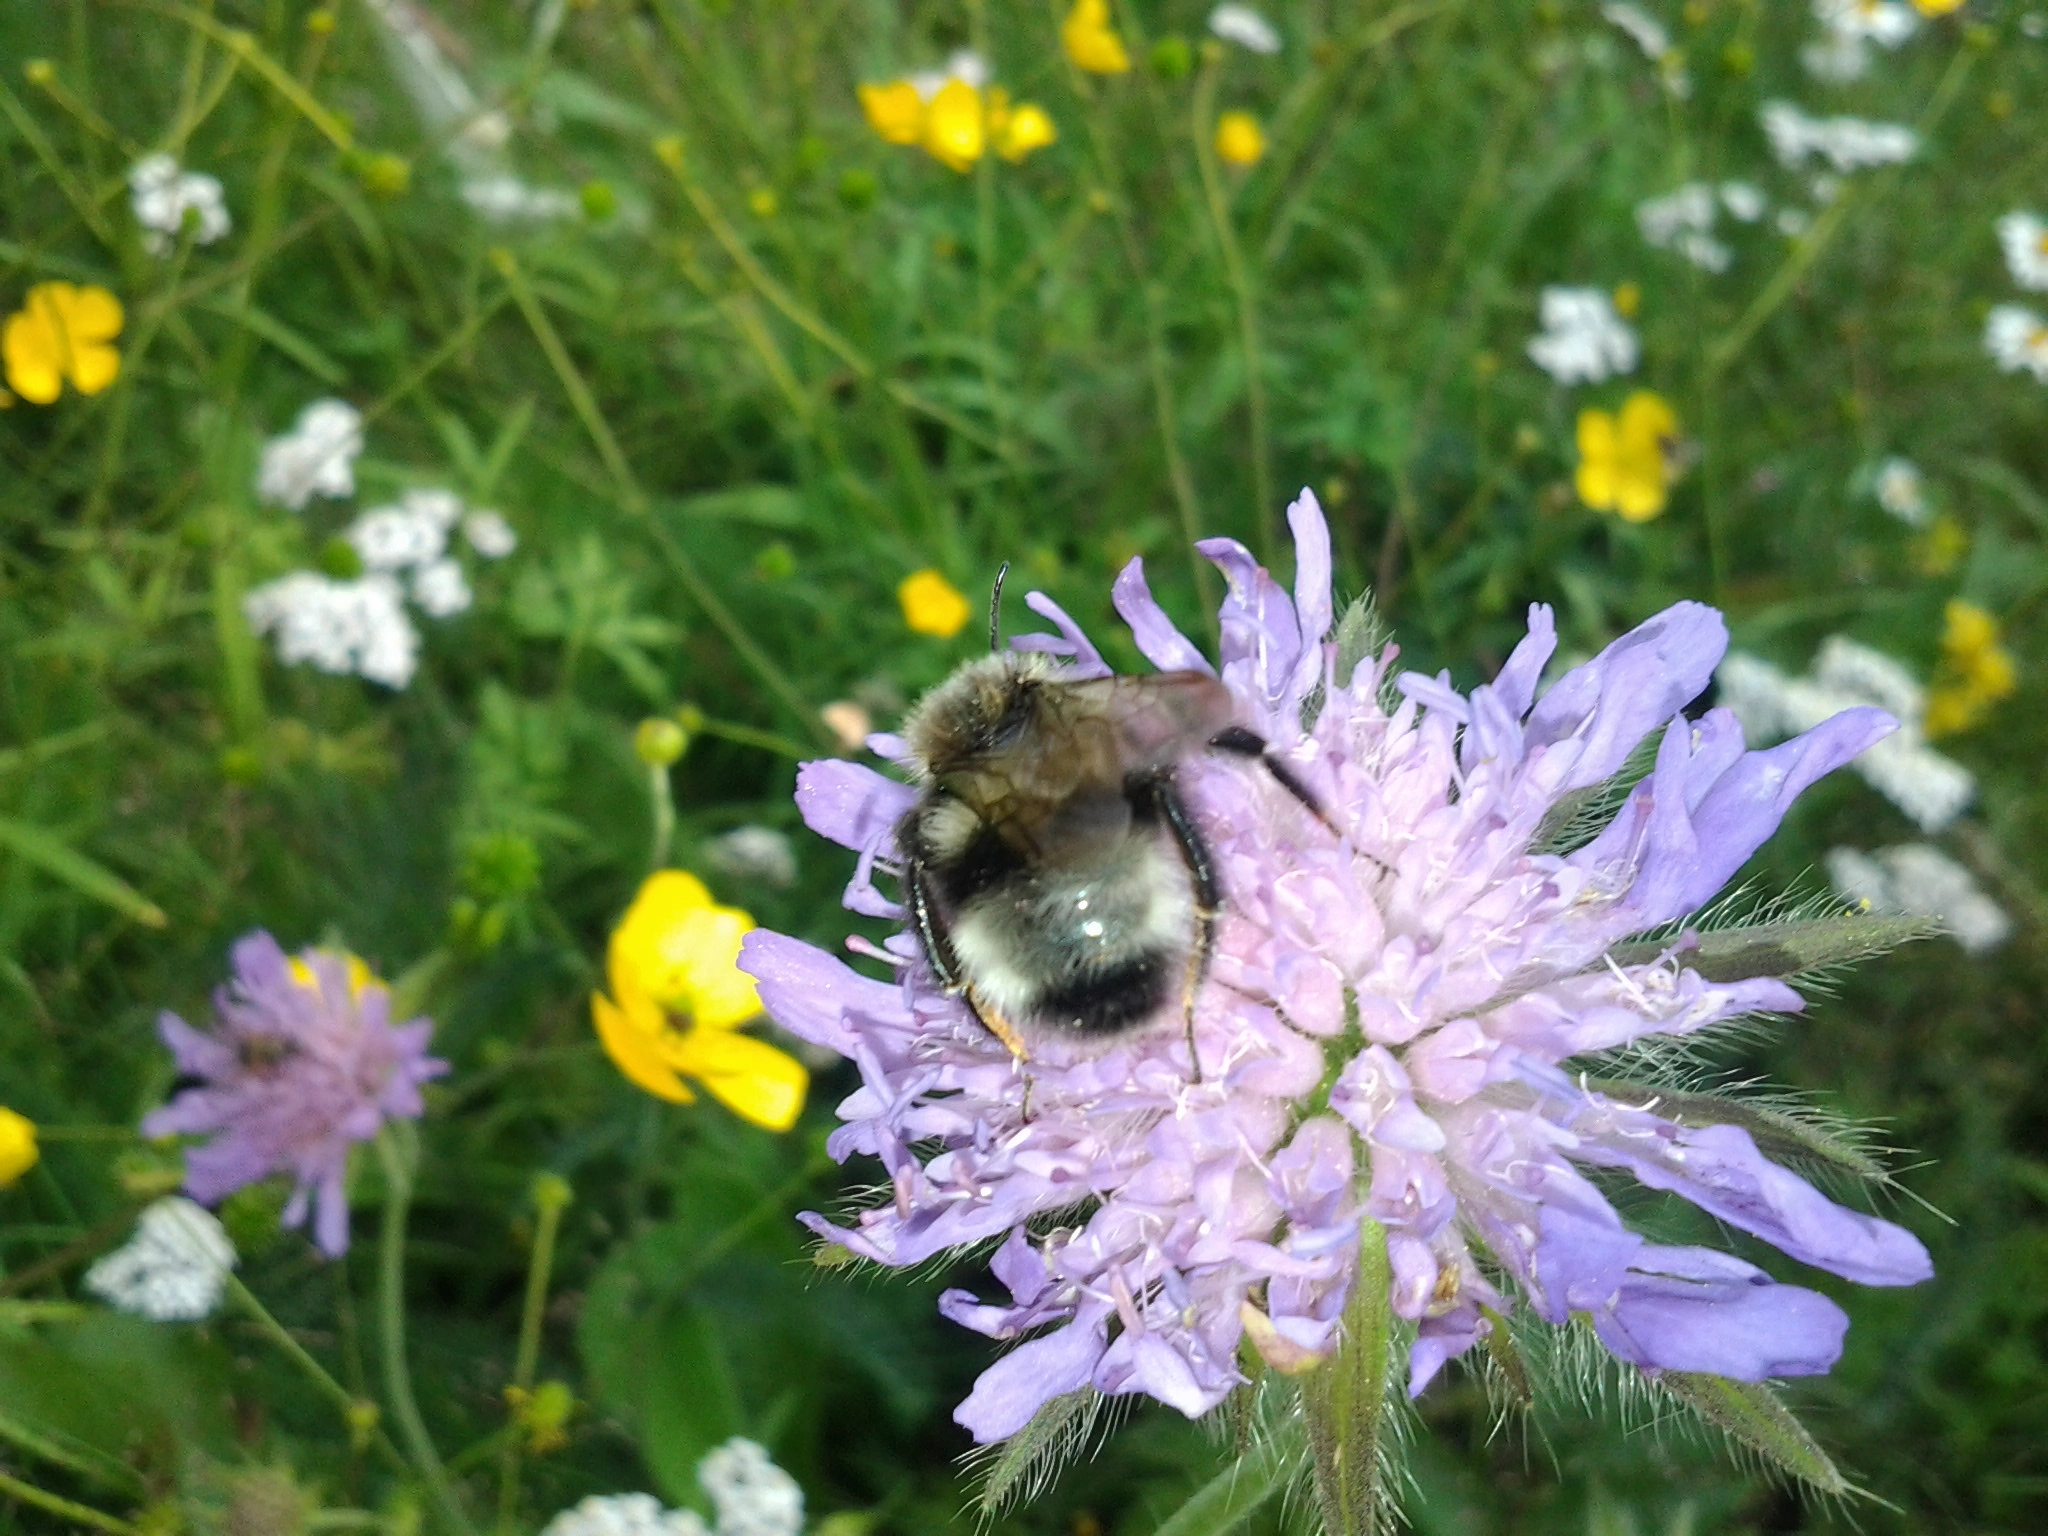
[[1423, 977], [294, 1073]]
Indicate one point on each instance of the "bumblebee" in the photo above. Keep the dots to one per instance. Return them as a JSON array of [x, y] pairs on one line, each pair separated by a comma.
[[1052, 873]]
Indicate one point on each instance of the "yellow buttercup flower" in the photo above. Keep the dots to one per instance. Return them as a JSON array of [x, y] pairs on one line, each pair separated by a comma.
[[678, 998], [1091, 42], [1976, 671], [1937, 7], [1626, 460], [895, 111], [932, 605], [953, 132], [63, 333], [18, 1150], [1017, 131], [1239, 139]]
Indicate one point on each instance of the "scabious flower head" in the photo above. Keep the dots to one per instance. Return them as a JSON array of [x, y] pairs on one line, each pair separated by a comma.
[[161, 194], [63, 333], [2017, 340], [297, 1069], [172, 1270], [1239, 139], [1583, 340], [1381, 1034], [18, 1150], [678, 999], [316, 458], [932, 605], [1627, 461], [1091, 40]]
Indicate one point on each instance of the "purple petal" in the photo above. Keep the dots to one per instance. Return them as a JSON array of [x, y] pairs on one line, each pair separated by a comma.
[[808, 992], [1621, 695], [1314, 611], [330, 1220], [1009, 1392], [851, 804], [1689, 1309], [1158, 640], [1085, 660]]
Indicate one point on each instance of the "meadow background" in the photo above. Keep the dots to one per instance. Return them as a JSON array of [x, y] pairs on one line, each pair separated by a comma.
[[732, 366]]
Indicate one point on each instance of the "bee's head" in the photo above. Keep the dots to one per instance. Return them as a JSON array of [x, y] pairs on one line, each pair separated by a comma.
[[982, 710]]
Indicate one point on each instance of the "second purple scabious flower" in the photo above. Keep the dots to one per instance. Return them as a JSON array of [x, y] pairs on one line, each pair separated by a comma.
[[1392, 1034], [303, 1062]]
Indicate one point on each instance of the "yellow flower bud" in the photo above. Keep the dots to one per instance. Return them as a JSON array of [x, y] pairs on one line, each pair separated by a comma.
[[658, 742], [1239, 139], [18, 1150]]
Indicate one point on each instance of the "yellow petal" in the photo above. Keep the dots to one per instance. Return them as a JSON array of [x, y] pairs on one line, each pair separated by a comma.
[[1239, 139], [1646, 417], [682, 949], [932, 605], [750, 1077], [634, 1045], [1028, 128], [1595, 477], [90, 313], [1967, 629], [94, 366], [18, 1150], [894, 111], [952, 125], [31, 359], [1091, 42]]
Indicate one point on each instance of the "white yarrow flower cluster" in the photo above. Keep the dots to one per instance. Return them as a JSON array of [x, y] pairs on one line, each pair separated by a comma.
[[2017, 340], [753, 1497], [2024, 238], [316, 458], [1583, 340], [172, 1270], [162, 193], [1919, 880], [503, 198], [1683, 221], [1242, 25], [624, 1514], [1846, 143], [1932, 790], [1902, 491], [343, 627]]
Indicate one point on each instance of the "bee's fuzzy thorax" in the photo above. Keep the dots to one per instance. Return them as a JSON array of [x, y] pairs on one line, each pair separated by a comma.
[[956, 720]]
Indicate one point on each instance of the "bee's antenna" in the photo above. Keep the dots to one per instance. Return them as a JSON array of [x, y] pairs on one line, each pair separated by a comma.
[[995, 607]]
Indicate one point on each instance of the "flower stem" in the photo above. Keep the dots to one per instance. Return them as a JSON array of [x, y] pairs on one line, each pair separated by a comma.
[[352, 1407], [397, 1163], [1203, 125], [664, 811], [1344, 1402], [77, 1514], [550, 1197]]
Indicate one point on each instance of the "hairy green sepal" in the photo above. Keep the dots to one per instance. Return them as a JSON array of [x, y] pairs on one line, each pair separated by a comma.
[[1781, 949], [1750, 1413], [1344, 1402]]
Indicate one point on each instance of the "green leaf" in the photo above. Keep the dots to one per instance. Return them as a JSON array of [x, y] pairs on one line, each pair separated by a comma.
[[1029, 1460], [764, 506], [55, 857], [1345, 1403], [1239, 1490], [279, 335], [1750, 1413], [1782, 949]]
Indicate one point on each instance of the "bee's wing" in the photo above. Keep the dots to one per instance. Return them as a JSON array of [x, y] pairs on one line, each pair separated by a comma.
[[1147, 721]]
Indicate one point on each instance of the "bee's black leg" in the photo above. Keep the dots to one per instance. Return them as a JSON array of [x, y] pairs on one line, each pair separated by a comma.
[[1159, 790], [938, 952], [1240, 742]]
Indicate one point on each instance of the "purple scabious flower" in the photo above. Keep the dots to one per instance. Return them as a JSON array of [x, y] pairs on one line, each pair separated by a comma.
[[303, 1062], [1381, 1032]]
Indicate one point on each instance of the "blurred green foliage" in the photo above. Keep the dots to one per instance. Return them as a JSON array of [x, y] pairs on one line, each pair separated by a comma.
[[752, 368]]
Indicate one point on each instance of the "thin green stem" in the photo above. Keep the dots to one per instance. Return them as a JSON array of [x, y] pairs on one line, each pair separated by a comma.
[[664, 815], [80, 1514], [353, 1408], [397, 1162], [89, 1463], [550, 1197], [1202, 126]]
